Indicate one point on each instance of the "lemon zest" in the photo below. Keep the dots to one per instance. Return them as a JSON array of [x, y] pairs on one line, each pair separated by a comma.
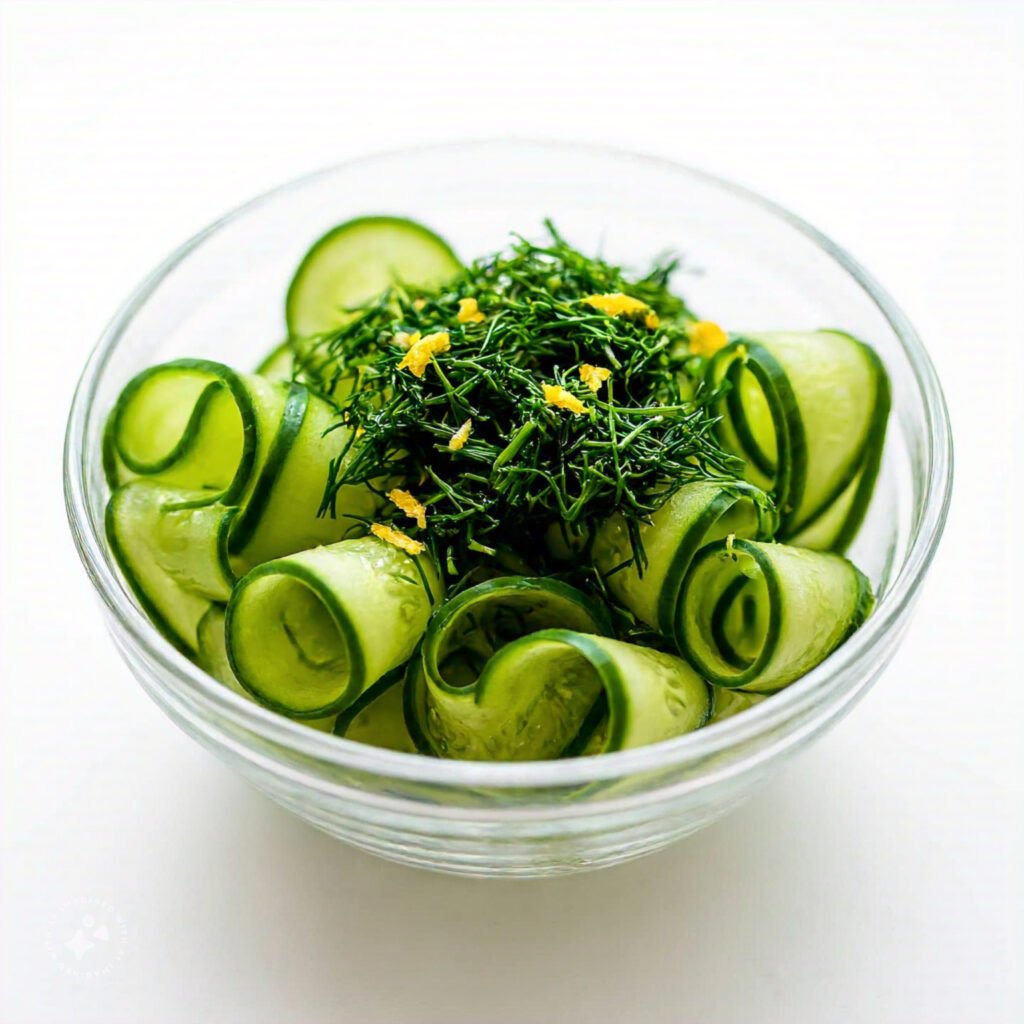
[[397, 538], [557, 396], [469, 312], [620, 304], [616, 304], [594, 376], [422, 351], [458, 440], [706, 338], [410, 506]]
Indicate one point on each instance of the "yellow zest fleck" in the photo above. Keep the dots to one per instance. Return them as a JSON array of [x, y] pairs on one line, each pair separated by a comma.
[[418, 304], [460, 437], [469, 312], [594, 376], [360, 431], [422, 351], [406, 341], [562, 399], [706, 338], [410, 506], [617, 304], [399, 539]]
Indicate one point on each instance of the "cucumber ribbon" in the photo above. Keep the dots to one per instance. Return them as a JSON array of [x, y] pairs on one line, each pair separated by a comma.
[[807, 411], [212, 473], [523, 668]]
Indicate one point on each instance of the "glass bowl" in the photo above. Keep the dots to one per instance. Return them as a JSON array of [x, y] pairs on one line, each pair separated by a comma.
[[748, 264]]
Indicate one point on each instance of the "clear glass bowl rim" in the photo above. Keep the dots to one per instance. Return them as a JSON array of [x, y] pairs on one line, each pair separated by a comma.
[[330, 750]]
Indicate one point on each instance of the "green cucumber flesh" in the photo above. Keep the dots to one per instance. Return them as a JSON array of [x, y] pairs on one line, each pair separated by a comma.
[[212, 651], [835, 528], [357, 261], [307, 634], [189, 423], [212, 658], [535, 699], [449, 678]]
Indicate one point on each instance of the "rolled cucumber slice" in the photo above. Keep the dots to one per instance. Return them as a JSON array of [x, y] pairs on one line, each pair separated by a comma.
[[212, 657], [695, 515], [808, 413], [444, 712], [357, 261], [559, 693], [214, 472], [491, 683], [192, 423], [307, 634], [758, 616]]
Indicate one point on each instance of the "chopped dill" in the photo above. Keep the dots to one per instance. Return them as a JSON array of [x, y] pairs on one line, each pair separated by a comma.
[[555, 444]]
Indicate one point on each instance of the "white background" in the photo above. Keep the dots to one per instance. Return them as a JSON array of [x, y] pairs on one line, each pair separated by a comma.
[[876, 880]]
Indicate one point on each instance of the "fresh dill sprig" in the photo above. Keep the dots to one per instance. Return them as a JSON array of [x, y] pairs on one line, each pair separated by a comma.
[[529, 470]]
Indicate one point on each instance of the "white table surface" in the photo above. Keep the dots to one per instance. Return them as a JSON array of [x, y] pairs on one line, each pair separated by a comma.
[[876, 880]]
